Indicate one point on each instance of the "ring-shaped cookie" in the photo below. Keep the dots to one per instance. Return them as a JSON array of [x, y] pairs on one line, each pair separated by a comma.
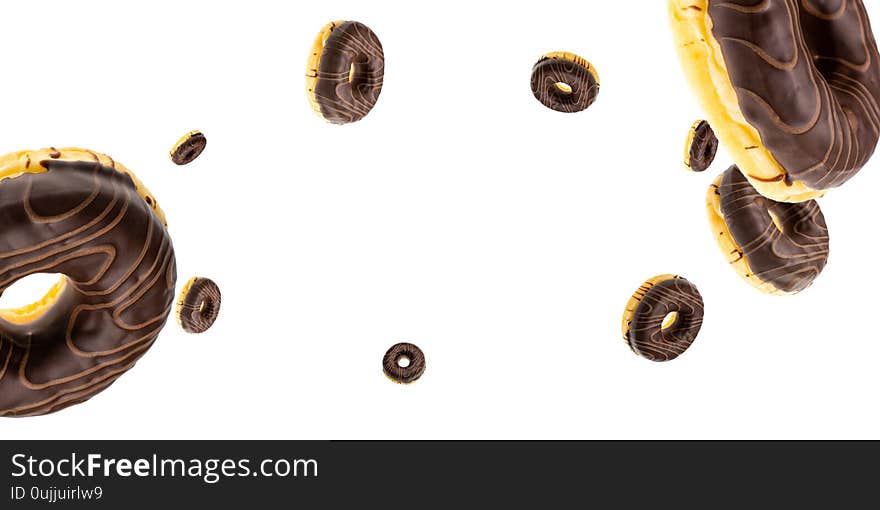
[[663, 318], [396, 370], [779, 248], [700, 147], [80, 214], [791, 87], [565, 82], [198, 305], [345, 72]]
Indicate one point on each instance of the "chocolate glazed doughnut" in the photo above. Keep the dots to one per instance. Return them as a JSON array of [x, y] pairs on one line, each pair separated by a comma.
[[80, 214], [790, 86], [345, 72], [663, 318], [565, 82], [779, 248]]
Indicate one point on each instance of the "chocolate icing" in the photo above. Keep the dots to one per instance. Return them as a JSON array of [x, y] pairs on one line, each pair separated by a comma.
[[807, 77], [200, 306], [87, 222], [550, 71], [645, 333], [344, 96], [191, 147], [409, 373], [789, 259], [703, 147]]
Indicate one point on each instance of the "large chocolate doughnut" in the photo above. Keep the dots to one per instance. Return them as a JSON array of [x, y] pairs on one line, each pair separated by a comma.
[[663, 318], [790, 86], [345, 72], [565, 82], [80, 214], [780, 248]]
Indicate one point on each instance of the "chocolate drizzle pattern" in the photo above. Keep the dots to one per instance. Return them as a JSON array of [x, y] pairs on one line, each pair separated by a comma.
[[87, 222], [576, 74], [789, 256], [807, 77], [648, 308], [350, 74]]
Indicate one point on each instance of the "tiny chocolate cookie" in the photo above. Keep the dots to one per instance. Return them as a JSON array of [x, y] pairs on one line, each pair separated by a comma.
[[778, 247], [565, 82], [198, 305], [701, 147], [188, 148], [663, 318], [398, 356], [345, 72]]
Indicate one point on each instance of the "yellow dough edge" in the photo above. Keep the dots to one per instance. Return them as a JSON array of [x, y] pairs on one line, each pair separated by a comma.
[[577, 59], [630, 311], [182, 297], [732, 252], [28, 162], [706, 71], [34, 311], [314, 63]]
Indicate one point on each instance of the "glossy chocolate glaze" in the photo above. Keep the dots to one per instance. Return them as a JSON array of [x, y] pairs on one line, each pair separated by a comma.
[[703, 147], [344, 96], [550, 71], [409, 373], [85, 221], [807, 77], [645, 333], [789, 259]]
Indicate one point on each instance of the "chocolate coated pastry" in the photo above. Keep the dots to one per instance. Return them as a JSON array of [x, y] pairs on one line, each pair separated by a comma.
[[82, 215], [345, 72], [188, 148], [565, 82], [701, 147], [198, 305], [778, 247], [792, 87], [663, 318], [397, 370]]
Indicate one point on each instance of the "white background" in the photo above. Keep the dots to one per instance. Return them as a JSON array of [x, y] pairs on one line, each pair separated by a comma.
[[461, 215]]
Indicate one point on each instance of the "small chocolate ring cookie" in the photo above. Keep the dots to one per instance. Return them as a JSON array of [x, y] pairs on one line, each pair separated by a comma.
[[345, 72], [701, 147], [188, 148], [565, 82], [663, 318], [391, 363], [778, 247], [198, 305]]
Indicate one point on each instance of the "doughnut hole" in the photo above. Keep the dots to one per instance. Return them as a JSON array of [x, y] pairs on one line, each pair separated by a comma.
[[669, 322], [776, 222], [28, 298], [403, 361], [563, 88]]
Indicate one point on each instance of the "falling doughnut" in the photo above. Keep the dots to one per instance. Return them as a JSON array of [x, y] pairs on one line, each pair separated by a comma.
[[792, 88]]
